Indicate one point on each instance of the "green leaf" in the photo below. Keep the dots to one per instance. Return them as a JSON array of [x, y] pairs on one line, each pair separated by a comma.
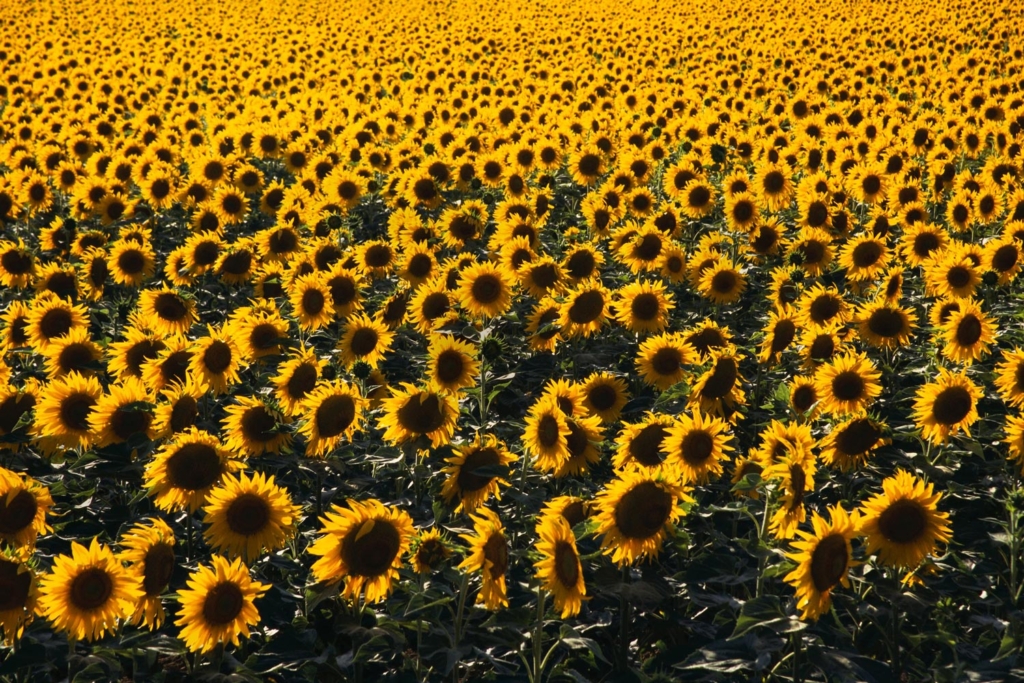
[[766, 612]]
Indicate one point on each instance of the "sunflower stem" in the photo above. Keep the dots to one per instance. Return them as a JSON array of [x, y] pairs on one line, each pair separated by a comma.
[[538, 635], [762, 535], [798, 638], [1014, 551], [463, 590], [624, 620], [188, 535], [896, 666]]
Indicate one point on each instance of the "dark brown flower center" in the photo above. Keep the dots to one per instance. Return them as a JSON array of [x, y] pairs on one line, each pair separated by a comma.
[[486, 289], [643, 511], [170, 307], [645, 306], [223, 604], [91, 589], [722, 379], [248, 514], [450, 366], [217, 357], [335, 415], [194, 467], [904, 521], [75, 410], [848, 386], [697, 446], [371, 553], [824, 308], [259, 424], [127, 423], [857, 437], [496, 551], [14, 586], [602, 397], [548, 432], [364, 341], [421, 414], [567, 565], [468, 480], [302, 381], [952, 405], [667, 361], [886, 323], [828, 562], [55, 323], [184, 414], [968, 332], [17, 514], [158, 568], [313, 301], [586, 307]]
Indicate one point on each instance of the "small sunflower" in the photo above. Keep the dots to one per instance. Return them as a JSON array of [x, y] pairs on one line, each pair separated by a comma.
[[363, 545], [605, 395], [24, 503], [248, 516], [217, 607], [662, 360], [253, 428], [296, 378], [695, 446], [64, 407], [546, 436], [851, 443], [722, 283], [216, 360], [122, 414], [414, 412], [903, 524], [1009, 380], [311, 301], [430, 550], [474, 473], [968, 333], [947, 406], [183, 472], [643, 306], [794, 473], [165, 311], [484, 290], [364, 340], [639, 445], [848, 385], [451, 364], [88, 592], [178, 408], [332, 412], [489, 555], [885, 324]]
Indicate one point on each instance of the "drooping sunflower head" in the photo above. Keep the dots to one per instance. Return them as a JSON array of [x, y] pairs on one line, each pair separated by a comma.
[[430, 550], [559, 568], [851, 443], [252, 427], [148, 550], [489, 555], [475, 473], [903, 524], [640, 445]]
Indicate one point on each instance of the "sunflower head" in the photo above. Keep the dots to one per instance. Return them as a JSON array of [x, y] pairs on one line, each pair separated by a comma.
[[903, 524]]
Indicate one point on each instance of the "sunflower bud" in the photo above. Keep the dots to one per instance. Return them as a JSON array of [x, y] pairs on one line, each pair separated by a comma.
[[492, 348]]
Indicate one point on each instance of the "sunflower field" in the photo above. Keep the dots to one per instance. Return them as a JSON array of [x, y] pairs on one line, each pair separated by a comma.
[[410, 340]]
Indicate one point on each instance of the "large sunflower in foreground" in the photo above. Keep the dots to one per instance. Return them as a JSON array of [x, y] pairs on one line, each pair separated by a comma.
[[903, 523], [249, 515], [947, 406], [217, 607], [848, 385], [19, 587], [823, 560], [182, 473], [558, 567], [149, 553], [489, 555], [88, 592], [362, 544], [474, 473], [637, 510], [413, 412]]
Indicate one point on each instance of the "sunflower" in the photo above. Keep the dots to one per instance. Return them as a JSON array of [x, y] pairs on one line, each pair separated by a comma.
[[821, 306], [586, 166], [179, 408], [741, 211], [920, 242], [414, 412], [16, 405], [430, 550], [452, 363], [947, 406], [20, 587], [51, 318], [547, 433], [850, 444], [248, 516], [217, 607], [253, 428], [823, 560], [311, 301], [148, 550], [489, 555], [903, 523], [848, 385], [259, 332], [698, 198], [951, 274], [864, 258], [17, 264], [780, 331], [331, 412], [24, 503], [885, 324], [73, 352], [484, 290], [362, 544], [122, 414], [639, 445], [216, 360], [969, 333], [165, 311], [88, 592], [541, 277], [296, 378], [695, 445], [722, 283], [636, 511], [707, 336], [364, 340], [64, 407], [183, 472], [604, 395], [1009, 380], [474, 473], [125, 358], [643, 306], [345, 286], [781, 439], [719, 390], [661, 360], [794, 473], [584, 433], [558, 567], [1004, 258], [16, 330], [131, 263]]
